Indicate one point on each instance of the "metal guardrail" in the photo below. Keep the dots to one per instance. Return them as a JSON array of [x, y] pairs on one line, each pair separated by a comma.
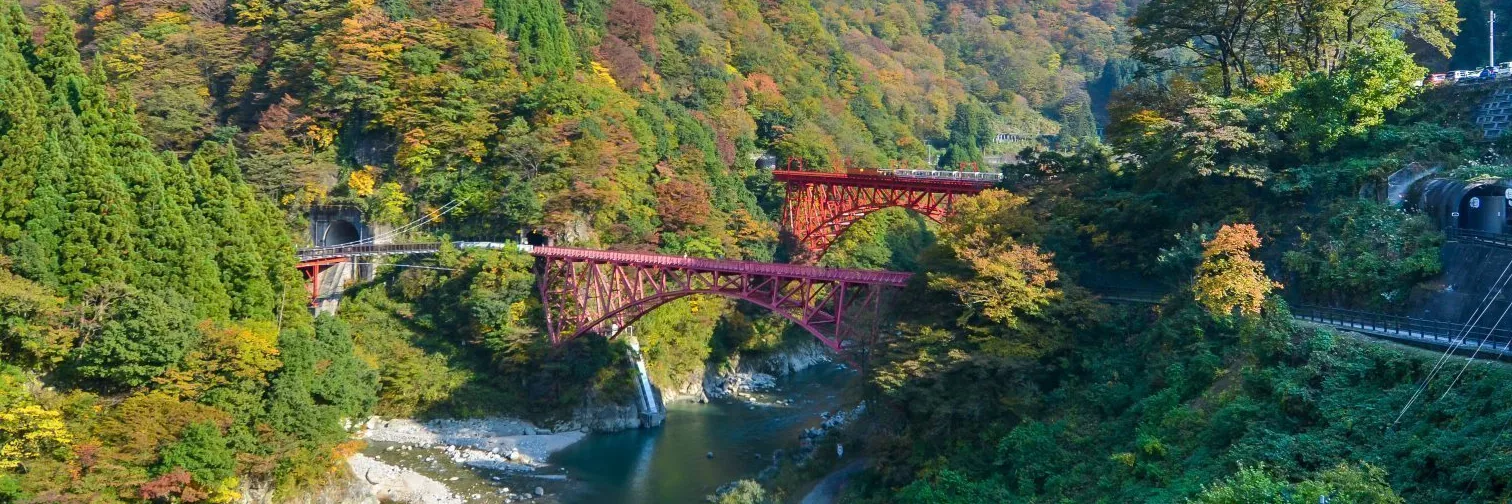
[[1436, 332], [892, 278], [367, 250], [1480, 237], [1439, 333]]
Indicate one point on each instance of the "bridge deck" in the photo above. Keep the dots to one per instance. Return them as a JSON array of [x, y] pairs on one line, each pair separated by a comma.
[[890, 278], [883, 181]]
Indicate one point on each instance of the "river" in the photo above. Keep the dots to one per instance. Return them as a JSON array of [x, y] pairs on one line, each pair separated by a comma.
[[670, 464]]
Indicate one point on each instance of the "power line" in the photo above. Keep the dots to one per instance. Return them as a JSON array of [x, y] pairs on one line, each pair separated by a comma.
[[397, 265], [423, 220], [1475, 316], [430, 217], [1489, 332]]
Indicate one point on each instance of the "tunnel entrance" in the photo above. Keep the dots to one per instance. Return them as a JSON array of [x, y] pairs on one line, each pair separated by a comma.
[[1484, 209], [340, 232]]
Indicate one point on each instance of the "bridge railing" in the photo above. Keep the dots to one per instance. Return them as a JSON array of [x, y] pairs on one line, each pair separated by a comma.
[[1481, 237], [1440, 331], [367, 250]]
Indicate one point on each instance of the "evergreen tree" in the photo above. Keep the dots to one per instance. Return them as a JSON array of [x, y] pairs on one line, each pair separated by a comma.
[[243, 270], [172, 253], [95, 240], [57, 59], [13, 20], [540, 28], [346, 382], [269, 236], [22, 130], [36, 252], [142, 336], [201, 451], [291, 404], [970, 132]]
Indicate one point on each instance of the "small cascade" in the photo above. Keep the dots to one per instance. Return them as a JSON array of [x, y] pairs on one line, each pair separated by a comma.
[[649, 401]]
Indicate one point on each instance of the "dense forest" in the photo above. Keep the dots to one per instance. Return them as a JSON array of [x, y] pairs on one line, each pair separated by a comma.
[[158, 159]]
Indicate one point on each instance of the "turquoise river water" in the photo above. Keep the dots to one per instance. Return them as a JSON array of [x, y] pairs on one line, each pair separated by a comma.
[[669, 464]]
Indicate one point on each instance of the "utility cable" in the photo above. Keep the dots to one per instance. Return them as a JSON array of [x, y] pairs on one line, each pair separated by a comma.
[[430, 217], [1489, 332], [426, 219], [397, 265], [1475, 316]]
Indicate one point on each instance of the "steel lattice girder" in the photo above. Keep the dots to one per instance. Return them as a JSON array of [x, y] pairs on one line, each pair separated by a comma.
[[584, 292], [822, 206], [312, 269]]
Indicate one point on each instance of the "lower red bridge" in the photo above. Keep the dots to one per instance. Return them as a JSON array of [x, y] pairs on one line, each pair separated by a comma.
[[822, 206], [604, 292], [585, 290]]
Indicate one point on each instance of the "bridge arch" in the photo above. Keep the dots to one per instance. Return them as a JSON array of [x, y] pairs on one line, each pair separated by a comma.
[[635, 310], [583, 291], [821, 206], [842, 224]]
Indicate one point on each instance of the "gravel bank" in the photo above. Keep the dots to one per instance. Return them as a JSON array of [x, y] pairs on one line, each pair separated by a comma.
[[397, 484], [495, 443]]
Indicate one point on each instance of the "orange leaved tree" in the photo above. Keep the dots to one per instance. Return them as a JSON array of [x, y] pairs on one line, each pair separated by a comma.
[[1229, 280]]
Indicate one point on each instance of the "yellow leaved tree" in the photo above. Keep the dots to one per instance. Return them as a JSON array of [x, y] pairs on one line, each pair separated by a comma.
[[1229, 280], [30, 431]]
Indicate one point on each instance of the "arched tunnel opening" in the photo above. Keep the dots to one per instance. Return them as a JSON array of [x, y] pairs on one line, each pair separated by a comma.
[[340, 232], [1479, 206], [1484, 209]]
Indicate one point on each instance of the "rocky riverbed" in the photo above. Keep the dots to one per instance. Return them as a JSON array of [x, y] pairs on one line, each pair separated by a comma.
[[491, 460]]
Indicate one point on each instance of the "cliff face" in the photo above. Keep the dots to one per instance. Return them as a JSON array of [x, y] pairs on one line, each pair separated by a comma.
[[742, 373]]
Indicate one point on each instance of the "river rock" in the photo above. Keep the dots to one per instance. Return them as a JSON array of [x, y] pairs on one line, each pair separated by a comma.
[[540, 492]]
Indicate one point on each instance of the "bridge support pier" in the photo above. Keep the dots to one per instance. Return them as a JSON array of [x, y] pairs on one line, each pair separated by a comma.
[[652, 413]]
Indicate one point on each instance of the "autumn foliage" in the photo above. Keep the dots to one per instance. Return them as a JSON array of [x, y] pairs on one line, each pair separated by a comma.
[[1229, 280]]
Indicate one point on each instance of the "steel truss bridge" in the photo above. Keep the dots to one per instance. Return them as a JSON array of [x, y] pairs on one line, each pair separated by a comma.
[[586, 290], [604, 291], [822, 206]]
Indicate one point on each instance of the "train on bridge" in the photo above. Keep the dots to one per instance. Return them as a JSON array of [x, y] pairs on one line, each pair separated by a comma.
[[967, 172]]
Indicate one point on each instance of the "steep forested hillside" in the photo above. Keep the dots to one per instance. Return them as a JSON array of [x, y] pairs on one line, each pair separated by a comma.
[[597, 119], [155, 293], [158, 158]]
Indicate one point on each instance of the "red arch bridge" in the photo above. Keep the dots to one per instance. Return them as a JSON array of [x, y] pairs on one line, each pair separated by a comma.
[[822, 206], [603, 291]]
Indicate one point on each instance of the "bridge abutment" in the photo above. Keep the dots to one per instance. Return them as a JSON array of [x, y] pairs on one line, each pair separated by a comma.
[[333, 225]]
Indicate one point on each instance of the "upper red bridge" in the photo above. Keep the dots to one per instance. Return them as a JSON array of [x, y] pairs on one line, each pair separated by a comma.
[[822, 206], [602, 291]]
